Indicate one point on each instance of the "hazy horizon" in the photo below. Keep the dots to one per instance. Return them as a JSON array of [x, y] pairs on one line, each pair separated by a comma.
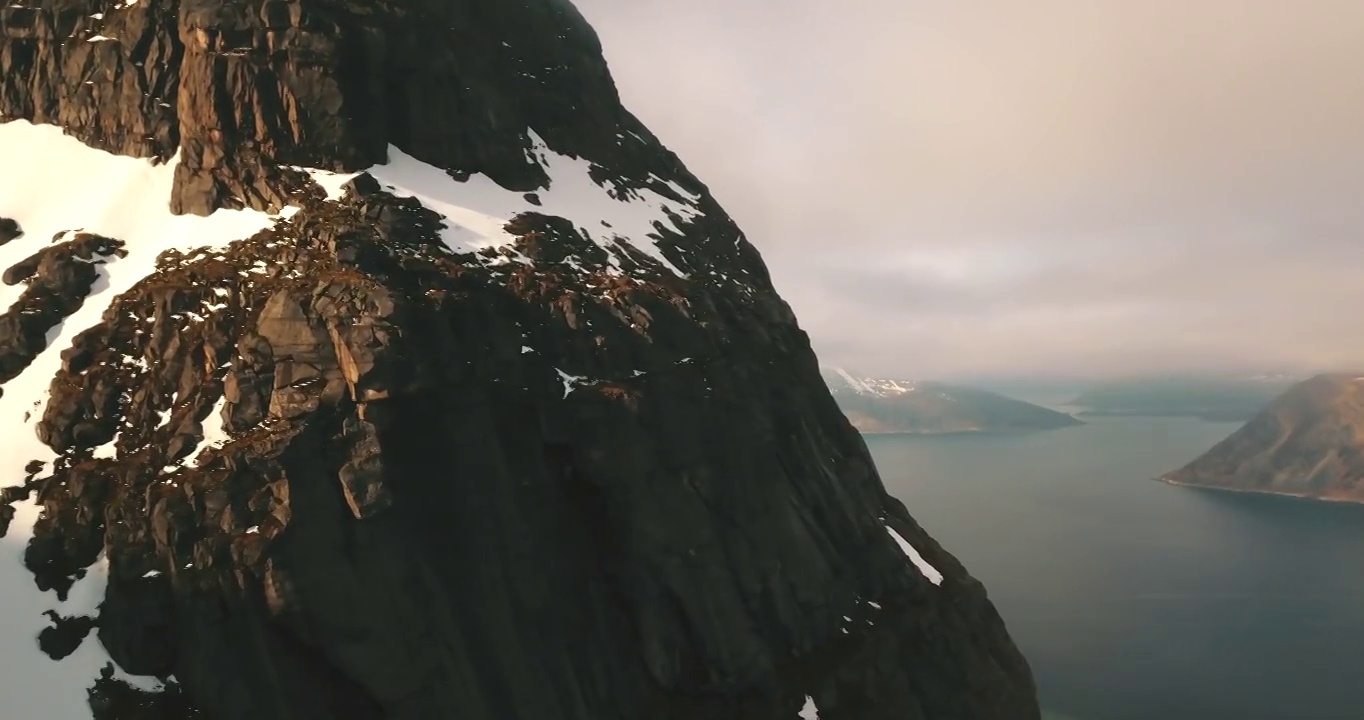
[[1042, 377], [1013, 189]]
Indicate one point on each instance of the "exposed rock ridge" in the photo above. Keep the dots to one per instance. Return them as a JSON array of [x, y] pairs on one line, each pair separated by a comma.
[[349, 468], [240, 88], [57, 279]]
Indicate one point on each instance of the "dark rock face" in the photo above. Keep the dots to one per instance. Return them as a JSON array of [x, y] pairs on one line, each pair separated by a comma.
[[65, 634], [1309, 442], [240, 88], [9, 230], [58, 278], [341, 472]]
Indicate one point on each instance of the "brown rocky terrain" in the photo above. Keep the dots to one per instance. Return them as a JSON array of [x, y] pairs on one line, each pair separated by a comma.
[[1309, 442], [346, 468]]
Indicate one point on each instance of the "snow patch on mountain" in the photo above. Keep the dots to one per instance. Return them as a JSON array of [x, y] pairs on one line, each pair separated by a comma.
[[53, 184], [928, 571], [477, 210], [214, 433]]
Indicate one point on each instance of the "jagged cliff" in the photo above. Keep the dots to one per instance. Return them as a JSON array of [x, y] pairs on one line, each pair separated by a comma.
[[368, 360], [1309, 442]]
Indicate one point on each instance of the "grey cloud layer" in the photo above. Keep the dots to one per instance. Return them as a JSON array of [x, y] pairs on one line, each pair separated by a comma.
[[1000, 186]]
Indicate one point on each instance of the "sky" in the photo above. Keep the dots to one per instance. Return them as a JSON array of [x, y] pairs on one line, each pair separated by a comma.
[[996, 188]]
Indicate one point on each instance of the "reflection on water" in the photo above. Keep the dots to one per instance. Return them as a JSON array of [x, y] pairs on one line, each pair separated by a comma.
[[1136, 600]]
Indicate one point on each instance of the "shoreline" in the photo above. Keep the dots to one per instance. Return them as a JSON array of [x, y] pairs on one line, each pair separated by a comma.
[[1266, 493], [976, 431], [954, 433], [1206, 417]]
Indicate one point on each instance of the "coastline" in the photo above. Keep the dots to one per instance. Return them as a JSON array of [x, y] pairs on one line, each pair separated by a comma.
[[955, 433], [1215, 417], [1267, 493], [923, 433]]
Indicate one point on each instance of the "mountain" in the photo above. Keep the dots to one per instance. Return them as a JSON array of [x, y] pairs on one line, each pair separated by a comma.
[[903, 406], [1308, 442], [368, 360], [1218, 399]]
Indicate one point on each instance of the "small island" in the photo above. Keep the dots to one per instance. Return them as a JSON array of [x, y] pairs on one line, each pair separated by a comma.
[[887, 406], [1309, 443]]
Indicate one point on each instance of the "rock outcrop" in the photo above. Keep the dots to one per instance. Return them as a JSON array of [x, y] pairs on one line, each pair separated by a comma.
[[1308, 443], [910, 407], [390, 369], [56, 281]]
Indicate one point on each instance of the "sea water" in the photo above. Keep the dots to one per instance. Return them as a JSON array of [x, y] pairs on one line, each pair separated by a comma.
[[1136, 600]]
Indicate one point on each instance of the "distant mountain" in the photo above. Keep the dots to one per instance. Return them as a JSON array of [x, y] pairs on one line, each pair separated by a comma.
[[1211, 398], [1309, 442], [878, 405]]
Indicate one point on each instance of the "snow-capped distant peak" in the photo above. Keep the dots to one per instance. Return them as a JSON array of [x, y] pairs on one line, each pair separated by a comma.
[[877, 387], [853, 383]]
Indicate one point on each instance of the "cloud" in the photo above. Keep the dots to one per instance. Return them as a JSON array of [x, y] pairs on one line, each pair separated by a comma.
[[1010, 187]]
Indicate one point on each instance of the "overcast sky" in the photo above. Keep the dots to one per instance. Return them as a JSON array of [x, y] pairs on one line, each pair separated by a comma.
[[1091, 187]]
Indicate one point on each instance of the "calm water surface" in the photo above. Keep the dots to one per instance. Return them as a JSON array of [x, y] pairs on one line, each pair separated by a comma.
[[1135, 600]]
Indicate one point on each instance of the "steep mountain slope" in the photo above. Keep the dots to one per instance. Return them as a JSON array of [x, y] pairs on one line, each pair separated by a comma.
[[876, 405], [369, 360], [1309, 442]]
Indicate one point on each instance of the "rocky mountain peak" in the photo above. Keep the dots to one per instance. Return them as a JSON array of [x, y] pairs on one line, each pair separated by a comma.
[[369, 360]]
